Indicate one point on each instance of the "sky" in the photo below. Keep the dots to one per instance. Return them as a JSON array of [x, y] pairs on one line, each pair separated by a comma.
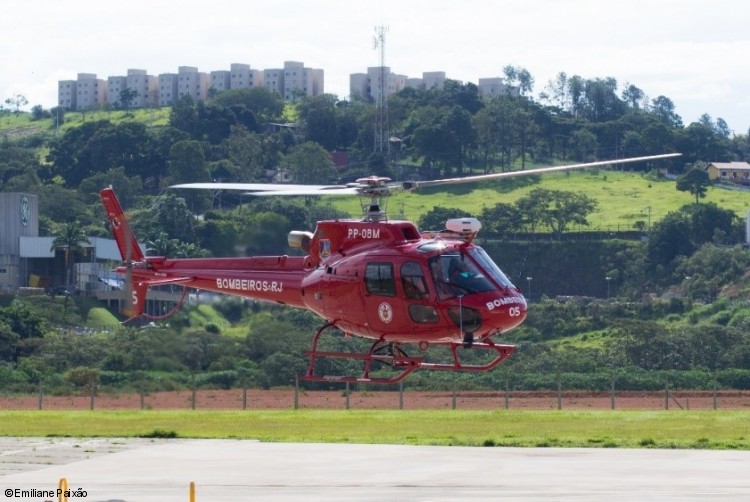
[[692, 51]]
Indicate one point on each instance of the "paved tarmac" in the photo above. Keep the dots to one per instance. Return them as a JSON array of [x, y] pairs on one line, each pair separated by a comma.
[[142, 470]]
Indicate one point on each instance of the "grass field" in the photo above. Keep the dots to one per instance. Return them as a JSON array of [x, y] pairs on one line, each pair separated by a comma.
[[623, 198], [609, 429]]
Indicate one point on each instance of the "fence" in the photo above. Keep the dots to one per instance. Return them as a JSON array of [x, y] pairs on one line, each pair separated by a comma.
[[299, 397]]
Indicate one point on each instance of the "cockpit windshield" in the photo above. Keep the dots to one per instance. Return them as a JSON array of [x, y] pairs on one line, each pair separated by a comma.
[[481, 257], [458, 274]]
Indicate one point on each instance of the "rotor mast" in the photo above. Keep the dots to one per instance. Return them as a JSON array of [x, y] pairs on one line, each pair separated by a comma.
[[377, 189]]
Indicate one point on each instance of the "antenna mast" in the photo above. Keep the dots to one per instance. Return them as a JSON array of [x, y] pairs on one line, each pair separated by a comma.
[[382, 133]]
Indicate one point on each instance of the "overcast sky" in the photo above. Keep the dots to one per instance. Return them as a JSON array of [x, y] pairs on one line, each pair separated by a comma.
[[694, 52]]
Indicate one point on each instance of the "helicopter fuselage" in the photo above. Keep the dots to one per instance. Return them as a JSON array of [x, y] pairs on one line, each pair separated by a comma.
[[379, 280]]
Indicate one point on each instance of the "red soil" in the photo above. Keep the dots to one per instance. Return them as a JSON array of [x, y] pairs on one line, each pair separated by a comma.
[[284, 399]]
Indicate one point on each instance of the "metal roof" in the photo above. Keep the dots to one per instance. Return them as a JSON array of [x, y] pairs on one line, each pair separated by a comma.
[[41, 247]]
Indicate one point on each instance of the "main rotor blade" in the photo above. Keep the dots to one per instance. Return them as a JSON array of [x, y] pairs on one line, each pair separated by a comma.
[[313, 191], [410, 185], [259, 187]]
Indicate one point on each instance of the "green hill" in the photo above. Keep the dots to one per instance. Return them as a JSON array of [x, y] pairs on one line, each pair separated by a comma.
[[623, 198]]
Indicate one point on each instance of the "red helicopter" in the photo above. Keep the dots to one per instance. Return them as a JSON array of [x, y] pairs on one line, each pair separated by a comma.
[[375, 278]]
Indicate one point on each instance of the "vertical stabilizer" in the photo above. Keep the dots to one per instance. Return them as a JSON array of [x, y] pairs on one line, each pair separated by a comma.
[[130, 251]]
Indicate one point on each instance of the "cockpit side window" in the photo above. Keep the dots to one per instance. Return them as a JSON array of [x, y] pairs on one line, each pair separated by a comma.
[[456, 275], [379, 279], [413, 282]]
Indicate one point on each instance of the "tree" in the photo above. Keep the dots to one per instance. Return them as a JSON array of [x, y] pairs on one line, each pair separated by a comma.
[[555, 208], [560, 209], [584, 144], [187, 163], [502, 219], [38, 112], [668, 239], [101, 145], [633, 96], [443, 135], [17, 100], [435, 218], [663, 108], [309, 163], [711, 268], [695, 181], [127, 96], [520, 77], [265, 104], [70, 237], [318, 116]]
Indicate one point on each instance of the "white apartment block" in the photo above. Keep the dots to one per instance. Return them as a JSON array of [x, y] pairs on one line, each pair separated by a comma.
[[294, 80], [433, 79], [90, 91], [382, 76], [274, 80], [193, 83], [67, 93], [359, 85], [368, 84], [115, 85], [147, 87], [495, 86], [167, 89], [291, 81], [300, 81], [244, 77], [220, 80]]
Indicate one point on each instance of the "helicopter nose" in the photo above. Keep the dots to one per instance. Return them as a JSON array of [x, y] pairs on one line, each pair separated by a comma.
[[466, 318]]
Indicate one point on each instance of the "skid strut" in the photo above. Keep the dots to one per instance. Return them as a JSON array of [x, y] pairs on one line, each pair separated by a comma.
[[391, 354]]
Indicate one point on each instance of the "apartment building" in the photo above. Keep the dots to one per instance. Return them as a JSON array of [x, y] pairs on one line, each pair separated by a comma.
[[244, 77], [495, 86], [146, 88], [193, 83], [300, 81], [167, 89], [291, 81], [368, 84], [86, 91], [67, 94]]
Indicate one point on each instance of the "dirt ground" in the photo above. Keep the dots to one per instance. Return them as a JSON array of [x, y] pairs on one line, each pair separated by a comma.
[[285, 399]]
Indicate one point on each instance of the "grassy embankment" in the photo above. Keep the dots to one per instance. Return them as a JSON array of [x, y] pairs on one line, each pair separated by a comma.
[[623, 198], [608, 429]]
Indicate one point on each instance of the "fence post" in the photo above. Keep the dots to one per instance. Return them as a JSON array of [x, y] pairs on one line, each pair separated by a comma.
[[244, 392], [346, 393], [401, 395], [715, 391], [453, 400], [612, 393], [93, 393], [296, 392], [193, 398], [666, 393], [507, 393]]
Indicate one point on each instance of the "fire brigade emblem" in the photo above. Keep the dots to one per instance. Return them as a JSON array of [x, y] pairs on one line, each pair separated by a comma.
[[385, 312], [325, 248]]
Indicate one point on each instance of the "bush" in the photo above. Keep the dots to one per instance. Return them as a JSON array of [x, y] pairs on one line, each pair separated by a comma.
[[218, 379]]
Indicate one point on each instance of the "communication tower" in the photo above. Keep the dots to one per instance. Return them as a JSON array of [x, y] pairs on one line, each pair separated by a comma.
[[382, 133]]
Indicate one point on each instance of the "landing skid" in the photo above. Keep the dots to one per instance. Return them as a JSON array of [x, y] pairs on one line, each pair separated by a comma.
[[391, 354]]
